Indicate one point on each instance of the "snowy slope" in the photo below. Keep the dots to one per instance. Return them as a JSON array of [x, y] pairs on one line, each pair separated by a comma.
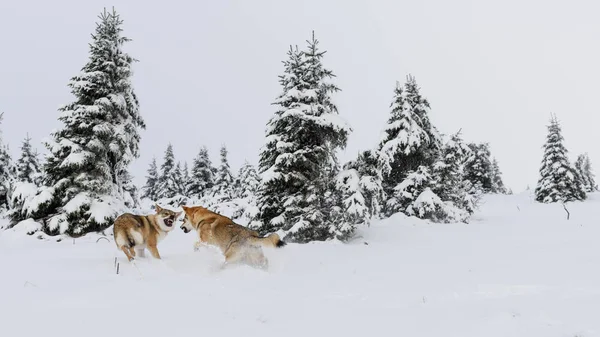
[[519, 269]]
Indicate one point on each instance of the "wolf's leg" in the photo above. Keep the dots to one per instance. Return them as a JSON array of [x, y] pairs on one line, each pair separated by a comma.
[[257, 258], [262, 261], [198, 244], [233, 254], [154, 251], [128, 252]]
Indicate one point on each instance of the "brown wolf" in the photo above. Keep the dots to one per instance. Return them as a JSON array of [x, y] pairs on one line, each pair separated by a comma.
[[134, 233], [236, 242]]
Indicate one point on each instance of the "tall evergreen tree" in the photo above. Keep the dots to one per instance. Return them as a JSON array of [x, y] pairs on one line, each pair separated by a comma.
[[150, 190], [28, 165], [89, 156], [410, 140], [224, 184], [298, 162], [167, 182], [558, 179], [584, 168], [202, 176]]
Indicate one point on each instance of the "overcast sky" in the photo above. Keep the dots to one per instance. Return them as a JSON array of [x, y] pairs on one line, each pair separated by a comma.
[[208, 70]]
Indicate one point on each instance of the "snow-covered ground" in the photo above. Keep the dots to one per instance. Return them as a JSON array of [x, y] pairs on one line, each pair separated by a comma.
[[518, 269]]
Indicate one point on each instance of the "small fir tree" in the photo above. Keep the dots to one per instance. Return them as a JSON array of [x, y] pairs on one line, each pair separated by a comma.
[[583, 166], [223, 190], [479, 168], [497, 183], [179, 178], [150, 189], [248, 182], [167, 182], [202, 176], [28, 165], [186, 179], [360, 183], [450, 182], [558, 180], [7, 174]]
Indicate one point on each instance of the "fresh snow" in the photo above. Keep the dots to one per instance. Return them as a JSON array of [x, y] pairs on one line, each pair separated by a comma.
[[519, 268], [77, 202]]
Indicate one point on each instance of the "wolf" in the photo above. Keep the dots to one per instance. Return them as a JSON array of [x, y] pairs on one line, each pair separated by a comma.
[[237, 243], [135, 233]]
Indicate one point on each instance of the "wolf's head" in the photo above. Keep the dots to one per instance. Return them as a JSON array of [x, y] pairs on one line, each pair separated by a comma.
[[193, 215], [165, 218]]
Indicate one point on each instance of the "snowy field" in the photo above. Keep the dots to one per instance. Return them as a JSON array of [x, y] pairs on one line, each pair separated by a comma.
[[518, 269]]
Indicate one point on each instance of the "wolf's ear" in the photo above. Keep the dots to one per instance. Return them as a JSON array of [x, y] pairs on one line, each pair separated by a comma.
[[185, 208], [157, 208]]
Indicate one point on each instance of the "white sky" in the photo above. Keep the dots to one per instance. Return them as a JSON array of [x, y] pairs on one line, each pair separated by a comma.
[[208, 70]]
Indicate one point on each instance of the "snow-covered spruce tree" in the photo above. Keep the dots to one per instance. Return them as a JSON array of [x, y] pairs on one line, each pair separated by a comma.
[[248, 181], [354, 206], [558, 179], [298, 162], [28, 165], [497, 183], [202, 176], [246, 187], [167, 181], [360, 183], [371, 181], [150, 189], [27, 180], [179, 178], [186, 179], [450, 183], [410, 141], [90, 154], [584, 169], [589, 173], [223, 190], [7, 173], [131, 193], [479, 169], [278, 180]]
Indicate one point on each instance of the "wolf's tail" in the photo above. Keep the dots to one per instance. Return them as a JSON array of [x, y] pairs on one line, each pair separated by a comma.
[[271, 240]]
